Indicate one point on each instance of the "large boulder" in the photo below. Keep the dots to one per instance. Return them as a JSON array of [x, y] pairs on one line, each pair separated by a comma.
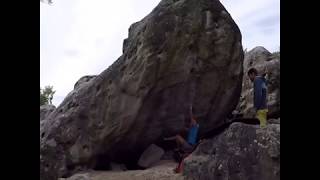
[[264, 62], [150, 156], [185, 52], [45, 110], [241, 152]]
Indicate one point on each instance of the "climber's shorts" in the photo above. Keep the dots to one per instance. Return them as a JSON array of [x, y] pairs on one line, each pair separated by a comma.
[[186, 147], [262, 116]]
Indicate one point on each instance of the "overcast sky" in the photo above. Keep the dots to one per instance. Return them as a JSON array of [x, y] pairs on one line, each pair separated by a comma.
[[84, 37]]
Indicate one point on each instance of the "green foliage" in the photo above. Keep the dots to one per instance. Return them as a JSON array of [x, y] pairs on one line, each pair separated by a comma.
[[46, 95]]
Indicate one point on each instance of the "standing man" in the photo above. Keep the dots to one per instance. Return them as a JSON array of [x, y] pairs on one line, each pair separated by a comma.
[[260, 96]]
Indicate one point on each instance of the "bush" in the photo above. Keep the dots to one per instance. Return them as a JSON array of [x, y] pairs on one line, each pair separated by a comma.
[[46, 95]]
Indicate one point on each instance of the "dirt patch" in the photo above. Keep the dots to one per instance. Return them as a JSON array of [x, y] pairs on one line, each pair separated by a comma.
[[160, 171]]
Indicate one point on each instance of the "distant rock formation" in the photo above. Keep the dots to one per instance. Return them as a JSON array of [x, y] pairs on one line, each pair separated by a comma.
[[263, 61]]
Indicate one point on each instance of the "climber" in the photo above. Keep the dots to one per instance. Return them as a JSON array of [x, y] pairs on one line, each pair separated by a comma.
[[187, 145], [260, 96]]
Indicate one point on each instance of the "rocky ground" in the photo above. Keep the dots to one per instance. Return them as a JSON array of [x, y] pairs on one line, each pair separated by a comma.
[[242, 151], [160, 171]]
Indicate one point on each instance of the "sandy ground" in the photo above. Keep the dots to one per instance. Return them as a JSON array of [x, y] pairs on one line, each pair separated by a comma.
[[161, 171]]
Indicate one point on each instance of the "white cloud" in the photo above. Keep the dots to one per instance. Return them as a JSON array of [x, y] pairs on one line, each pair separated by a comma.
[[81, 37], [258, 20]]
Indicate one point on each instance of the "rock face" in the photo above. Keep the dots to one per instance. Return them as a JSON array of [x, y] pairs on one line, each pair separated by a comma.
[[84, 80], [263, 61], [45, 110], [241, 152], [185, 52]]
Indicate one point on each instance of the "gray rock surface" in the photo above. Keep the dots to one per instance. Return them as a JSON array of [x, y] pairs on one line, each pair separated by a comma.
[[184, 52], [45, 110], [83, 81], [241, 152]]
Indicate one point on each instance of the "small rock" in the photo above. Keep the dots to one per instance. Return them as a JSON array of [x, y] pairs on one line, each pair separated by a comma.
[[150, 156]]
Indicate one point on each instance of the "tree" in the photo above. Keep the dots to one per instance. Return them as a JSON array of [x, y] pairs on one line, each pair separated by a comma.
[[46, 95]]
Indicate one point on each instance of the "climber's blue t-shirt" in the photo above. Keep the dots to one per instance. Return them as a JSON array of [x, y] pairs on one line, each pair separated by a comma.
[[192, 134]]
